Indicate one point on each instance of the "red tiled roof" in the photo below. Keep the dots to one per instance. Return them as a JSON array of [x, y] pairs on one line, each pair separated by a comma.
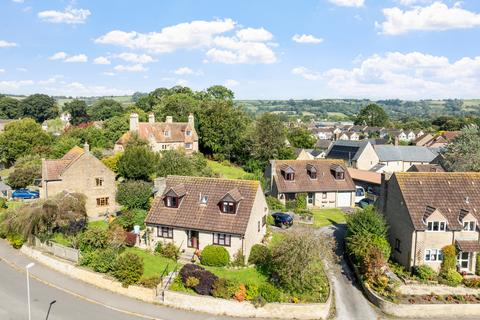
[[157, 130], [53, 169], [468, 245], [367, 176], [192, 214], [303, 183]]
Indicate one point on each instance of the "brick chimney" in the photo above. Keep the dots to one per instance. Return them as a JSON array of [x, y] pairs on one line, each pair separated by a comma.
[[86, 148], [151, 118], [134, 122], [169, 119], [191, 119]]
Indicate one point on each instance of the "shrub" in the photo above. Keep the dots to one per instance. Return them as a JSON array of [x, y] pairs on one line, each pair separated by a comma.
[[260, 255], [93, 238], [269, 292], [359, 245], [3, 203], [290, 205], [215, 256], [472, 282], [116, 236], [130, 239], [150, 282], [449, 259], [425, 272], [274, 204], [372, 269], [450, 277], [368, 222], [100, 260], [238, 259], [192, 282], [206, 278], [158, 247], [132, 217], [128, 268], [270, 220], [300, 202], [220, 289], [241, 293], [134, 194], [169, 250], [16, 240], [252, 291]]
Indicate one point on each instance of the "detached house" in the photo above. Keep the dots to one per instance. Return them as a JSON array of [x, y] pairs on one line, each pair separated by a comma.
[[326, 183], [78, 171], [161, 136], [427, 211], [193, 212]]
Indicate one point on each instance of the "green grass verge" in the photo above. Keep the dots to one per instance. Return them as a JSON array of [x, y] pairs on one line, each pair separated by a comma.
[[154, 265], [244, 275], [227, 171], [325, 217], [98, 223]]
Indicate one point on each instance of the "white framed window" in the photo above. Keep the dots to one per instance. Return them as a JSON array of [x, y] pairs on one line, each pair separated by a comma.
[[432, 255], [188, 146], [436, 226], [164, 147], [222, 239], [469, 225], [463, 260]]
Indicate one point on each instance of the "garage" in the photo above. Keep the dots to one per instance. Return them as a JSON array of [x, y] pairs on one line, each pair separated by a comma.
[[344, 199]]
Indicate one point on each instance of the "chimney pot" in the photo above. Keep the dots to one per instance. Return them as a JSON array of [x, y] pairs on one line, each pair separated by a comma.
[[169, 119], [133, 122], [86, 148], [151, 118], [191, 119]]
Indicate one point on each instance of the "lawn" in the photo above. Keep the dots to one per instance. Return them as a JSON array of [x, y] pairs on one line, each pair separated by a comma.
[[277, 237], [230, 171], [154, 265], [325, 217], [244, 275], [98, 223]]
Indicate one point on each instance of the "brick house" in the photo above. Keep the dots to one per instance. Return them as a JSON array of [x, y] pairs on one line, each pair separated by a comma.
[[427, 211], [193, 212], [162, 136], [327, 183], [78, 171]]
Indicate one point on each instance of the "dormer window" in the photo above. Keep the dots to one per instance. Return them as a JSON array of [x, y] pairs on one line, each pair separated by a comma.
[[288, 173], [338, 172], [228, 207], [171, 202], [166, 133], [469, 226], [436, 226], [312, 172]]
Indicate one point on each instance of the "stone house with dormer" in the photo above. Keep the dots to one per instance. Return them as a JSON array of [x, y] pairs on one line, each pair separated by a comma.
[[326, 183], [79, 171], [428, 211], [162, 136], [193, 212]]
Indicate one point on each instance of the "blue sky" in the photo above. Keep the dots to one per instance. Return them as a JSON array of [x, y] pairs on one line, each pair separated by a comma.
[[410, 49]]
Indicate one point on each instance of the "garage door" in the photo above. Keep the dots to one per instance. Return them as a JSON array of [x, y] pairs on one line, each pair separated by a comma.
[[344, 199]]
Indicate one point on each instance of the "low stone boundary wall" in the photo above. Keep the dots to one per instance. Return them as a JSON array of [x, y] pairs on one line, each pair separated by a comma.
[[246, 309], [58, 250], [96, 279]]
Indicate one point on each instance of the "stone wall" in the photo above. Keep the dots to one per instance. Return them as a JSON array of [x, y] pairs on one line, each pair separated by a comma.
[[246, 309]]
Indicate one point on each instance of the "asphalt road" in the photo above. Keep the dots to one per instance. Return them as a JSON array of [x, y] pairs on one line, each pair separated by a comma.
[[46, 302]]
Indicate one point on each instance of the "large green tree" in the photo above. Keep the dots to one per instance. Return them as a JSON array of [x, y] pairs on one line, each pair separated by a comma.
[[39, 107], [176, 162], [104, 109], [10, 108], [138, 163], [301, 138], [220, 92], [78, 111], [463, 153], [22, 137], [372, 115]]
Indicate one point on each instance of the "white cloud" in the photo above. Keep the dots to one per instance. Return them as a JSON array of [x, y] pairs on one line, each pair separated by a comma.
[[181, 82], [130, 68], [68, 58], [101, 60], [248, 45], [413, 2], [6, 44], [68, 16], [306, 38], [348, 3], [306, 73], [12, 85], [437, 16], [255, 35], [230, 83], [411, 75], [110, 74], [183, 71], [187, 35], [135, 58], [22, 69], [18, 1], [2, 70]]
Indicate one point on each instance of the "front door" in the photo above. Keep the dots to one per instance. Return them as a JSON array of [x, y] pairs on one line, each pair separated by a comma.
[[311, 198], [192, 239], [464, 261]]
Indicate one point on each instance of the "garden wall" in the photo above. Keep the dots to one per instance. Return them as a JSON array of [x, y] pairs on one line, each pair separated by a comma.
[[96, 279], [58, 250]]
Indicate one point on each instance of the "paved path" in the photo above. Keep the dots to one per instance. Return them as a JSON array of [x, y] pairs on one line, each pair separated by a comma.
[[69, 295]]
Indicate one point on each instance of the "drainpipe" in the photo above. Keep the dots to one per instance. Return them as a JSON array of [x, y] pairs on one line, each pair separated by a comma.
[[415, 250]]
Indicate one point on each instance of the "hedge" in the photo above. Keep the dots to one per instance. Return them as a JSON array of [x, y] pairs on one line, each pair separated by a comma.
[[215, 256]]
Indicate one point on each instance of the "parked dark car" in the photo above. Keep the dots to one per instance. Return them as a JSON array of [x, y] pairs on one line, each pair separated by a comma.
[[282, 220], [25, 194], [365, 202]]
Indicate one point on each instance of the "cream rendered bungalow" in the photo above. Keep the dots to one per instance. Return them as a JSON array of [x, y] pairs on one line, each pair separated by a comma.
[[427, 211], [193, 212], [327, 183], [161, 136]]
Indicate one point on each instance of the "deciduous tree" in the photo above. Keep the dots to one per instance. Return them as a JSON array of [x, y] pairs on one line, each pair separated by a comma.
[[39, 107], [372, 115]]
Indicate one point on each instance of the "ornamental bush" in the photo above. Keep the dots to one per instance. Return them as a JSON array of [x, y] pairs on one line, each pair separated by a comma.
[[274, 204], [150, 282], [220, 289], [449, 259], [128, 268], [93, 238], [134, 194], [451, 278], [269, 292], [206, 279], [260, 255], [368, 222], [132, 217], [16, 240], [215, 256], [425, 272], [169, 250], [100, 260]]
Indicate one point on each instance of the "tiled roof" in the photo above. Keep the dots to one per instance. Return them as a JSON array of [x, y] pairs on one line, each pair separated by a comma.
[[426, 168], [53, 169], [404, 153], [447, 192], [363, 175], [468, 245], [450, 135], [156, 131], [303, 183], [191, 214]]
